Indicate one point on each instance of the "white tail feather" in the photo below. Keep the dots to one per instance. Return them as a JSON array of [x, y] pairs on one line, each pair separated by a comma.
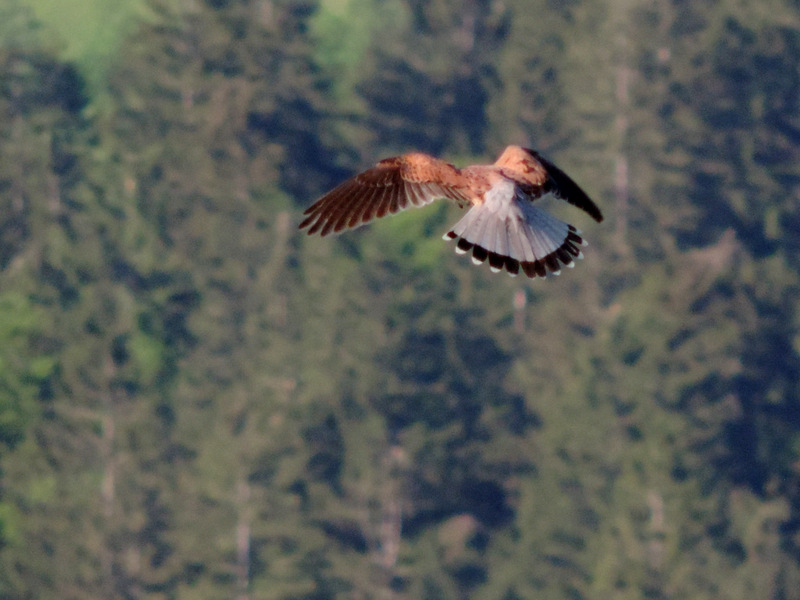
[[512, 227]]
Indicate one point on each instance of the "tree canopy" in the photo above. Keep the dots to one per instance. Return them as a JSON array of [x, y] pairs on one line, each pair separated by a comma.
[[198, 401]]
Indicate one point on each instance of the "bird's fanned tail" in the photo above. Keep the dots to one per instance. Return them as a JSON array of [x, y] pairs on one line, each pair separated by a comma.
[[522, 238]]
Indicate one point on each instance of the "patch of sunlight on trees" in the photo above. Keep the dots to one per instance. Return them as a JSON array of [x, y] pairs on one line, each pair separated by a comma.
[[344, 32], [414, 235], [89, 32]]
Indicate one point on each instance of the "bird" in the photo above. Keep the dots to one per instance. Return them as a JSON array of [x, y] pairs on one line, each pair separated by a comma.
[[503, 225]]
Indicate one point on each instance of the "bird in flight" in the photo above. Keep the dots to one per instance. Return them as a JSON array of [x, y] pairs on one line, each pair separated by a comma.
[[503, 225]]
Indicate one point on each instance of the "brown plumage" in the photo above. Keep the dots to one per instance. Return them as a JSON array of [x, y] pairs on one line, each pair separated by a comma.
[[502, 226]]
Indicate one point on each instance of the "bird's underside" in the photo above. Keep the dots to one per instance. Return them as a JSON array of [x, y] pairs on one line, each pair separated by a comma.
[[502, 226]]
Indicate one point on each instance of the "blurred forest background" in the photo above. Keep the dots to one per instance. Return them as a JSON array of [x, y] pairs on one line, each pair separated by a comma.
[[197, 401]]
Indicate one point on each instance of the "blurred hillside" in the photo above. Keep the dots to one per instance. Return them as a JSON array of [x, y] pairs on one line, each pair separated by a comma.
[[197, 401]]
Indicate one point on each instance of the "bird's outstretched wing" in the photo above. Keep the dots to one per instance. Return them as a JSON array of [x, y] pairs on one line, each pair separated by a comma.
[[394, 184], [562, 186], [541, 176]]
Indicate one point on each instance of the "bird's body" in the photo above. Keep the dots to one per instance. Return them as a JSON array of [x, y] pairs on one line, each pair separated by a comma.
[[502, 226]]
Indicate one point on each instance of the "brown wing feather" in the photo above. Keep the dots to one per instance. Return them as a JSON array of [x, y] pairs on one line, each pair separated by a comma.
[[560, 184], [537, 176], [393, 185]]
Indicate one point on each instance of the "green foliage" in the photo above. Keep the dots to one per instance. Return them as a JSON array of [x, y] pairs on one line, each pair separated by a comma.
[[197, 401], [89, 33], [20, 378], [344, 31]]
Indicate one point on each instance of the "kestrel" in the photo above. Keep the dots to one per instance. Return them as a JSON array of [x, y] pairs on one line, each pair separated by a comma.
[[503, 225]]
